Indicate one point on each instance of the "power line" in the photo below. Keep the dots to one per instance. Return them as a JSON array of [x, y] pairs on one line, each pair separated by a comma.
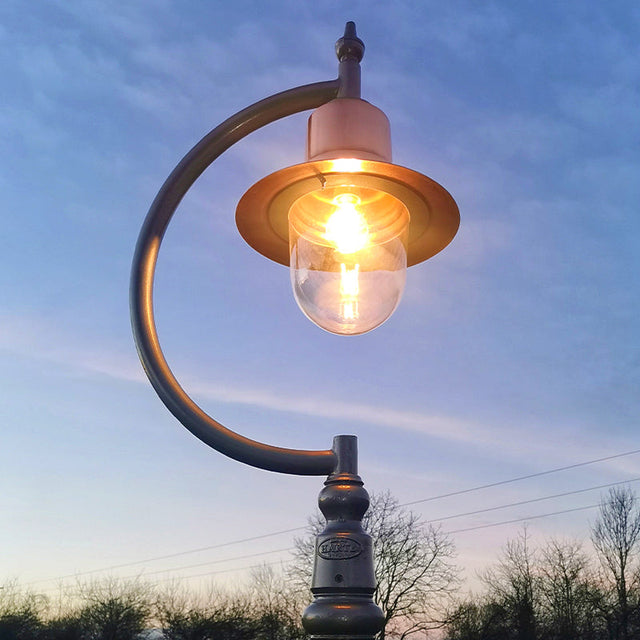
[[268, 564], [532, 500], [197, 575], [215, 573], [168, 556], [204, 564], [474, 528], [519, 478], [219, 561], [406, 504], [542, 515], [457, 515]]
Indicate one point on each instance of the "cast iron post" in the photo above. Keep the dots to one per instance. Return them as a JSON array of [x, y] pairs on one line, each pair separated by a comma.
[[343, 578]]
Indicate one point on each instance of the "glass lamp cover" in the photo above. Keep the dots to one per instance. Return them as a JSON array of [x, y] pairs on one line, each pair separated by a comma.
[[348, 256]]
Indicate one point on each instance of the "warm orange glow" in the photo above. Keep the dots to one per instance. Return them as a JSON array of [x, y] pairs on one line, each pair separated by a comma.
[[346, 165], [348, 255], [346, 228]]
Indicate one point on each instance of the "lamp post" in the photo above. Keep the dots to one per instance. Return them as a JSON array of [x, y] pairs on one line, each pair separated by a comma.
[[348, 222]]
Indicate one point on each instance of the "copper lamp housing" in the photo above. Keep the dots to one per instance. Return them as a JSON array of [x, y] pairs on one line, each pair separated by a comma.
[[348, 144]]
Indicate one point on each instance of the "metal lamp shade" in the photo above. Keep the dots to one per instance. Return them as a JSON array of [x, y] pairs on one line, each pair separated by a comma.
[[263, 211]]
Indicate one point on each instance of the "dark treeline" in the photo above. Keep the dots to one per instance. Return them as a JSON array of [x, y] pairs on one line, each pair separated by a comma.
[[112, 609], [562, 590], [559, 591]]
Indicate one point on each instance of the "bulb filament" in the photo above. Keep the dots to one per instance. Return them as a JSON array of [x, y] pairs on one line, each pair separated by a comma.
[[349, 289], [346, 228]]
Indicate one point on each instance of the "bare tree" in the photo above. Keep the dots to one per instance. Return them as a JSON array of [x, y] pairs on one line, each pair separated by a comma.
[[180, 614], [216, 615], [262, 611], [414, 567], [114, 609], [276, 606], [478, 619], [616, 536], [20, 613], [565, 591], [513, 585]]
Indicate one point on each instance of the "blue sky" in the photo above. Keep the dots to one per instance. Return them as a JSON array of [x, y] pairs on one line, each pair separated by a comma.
[[514, 351]]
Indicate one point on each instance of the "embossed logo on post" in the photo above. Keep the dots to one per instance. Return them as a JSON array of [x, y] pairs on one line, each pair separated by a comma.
[[339, 548]]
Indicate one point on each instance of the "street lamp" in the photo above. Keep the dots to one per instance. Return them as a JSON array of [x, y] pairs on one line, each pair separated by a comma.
[[348, 222]]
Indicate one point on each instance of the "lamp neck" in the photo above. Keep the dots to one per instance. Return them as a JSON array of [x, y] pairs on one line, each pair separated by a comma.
[[345, 449], [349, 50]]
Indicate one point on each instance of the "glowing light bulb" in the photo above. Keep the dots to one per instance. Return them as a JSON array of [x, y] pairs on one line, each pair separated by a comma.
[[348, 256], [346, 228]]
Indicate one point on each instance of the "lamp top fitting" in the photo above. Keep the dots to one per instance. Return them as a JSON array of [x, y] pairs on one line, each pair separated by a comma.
[[348, 143], [350, 47]]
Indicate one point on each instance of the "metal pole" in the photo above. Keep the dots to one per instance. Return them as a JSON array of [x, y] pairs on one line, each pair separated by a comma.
[[343, 583], [343, 577]]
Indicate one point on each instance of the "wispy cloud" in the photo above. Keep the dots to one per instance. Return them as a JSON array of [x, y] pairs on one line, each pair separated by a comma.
[[30, 337], [27, 336]]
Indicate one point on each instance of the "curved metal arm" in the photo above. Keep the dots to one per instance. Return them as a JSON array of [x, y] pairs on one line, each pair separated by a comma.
[[173, 190]]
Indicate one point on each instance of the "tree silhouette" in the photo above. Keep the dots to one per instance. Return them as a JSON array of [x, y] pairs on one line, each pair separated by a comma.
[[616, 536], [514, 586], [114, 609]]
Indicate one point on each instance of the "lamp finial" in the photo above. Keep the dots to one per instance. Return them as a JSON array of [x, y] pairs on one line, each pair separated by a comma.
[[350, 46]]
